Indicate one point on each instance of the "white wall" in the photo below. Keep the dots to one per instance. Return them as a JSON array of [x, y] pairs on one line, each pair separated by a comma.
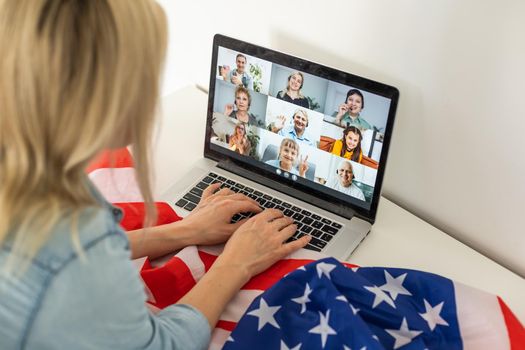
[[458, 157]]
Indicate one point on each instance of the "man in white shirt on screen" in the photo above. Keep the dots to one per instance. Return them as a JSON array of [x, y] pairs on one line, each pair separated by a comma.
[[342, 182]]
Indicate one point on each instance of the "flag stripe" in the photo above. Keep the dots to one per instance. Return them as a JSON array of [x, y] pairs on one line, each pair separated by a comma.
[[133, 215], [118, 184], [514, 327], [480, 330], [119, 158], [219, 336], [238, 305], [169, 283], [226, 325]]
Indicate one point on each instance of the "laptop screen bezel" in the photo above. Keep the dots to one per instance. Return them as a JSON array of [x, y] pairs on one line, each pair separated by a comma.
[[315, 197]]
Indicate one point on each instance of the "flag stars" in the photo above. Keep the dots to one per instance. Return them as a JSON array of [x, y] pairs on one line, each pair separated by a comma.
[[395, 285], [284, 347], [323, 329], [303, 299], [431, 315], [380, 296], [343, 299], [403, 335], [265, 314], [324, 269]]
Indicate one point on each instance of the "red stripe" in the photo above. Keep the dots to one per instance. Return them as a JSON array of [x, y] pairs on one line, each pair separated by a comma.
[[133, 218], [168, 283], [277, 271], [514, 327], [119, 158], [266, 279], [226, 325], [207, 259]]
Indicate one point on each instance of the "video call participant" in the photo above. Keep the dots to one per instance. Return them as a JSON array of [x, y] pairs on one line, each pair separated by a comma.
[[342, 181], [295, 131], [349, 112], [288, 153], [239, 141], [292, 93], [243, 101], [239, 76], [349, 146]]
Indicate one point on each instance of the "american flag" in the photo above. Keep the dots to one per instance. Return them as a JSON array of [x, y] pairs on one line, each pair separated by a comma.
[[308, 301]]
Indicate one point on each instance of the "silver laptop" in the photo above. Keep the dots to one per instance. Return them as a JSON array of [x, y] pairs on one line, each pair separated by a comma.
[[294, 135]]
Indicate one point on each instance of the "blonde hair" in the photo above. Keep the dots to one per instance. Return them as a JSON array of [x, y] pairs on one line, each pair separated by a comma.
[[76, 77], [291, 144], [300, 94]]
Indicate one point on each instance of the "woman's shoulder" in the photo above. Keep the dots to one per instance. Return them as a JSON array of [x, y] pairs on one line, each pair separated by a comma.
[[92, 225]]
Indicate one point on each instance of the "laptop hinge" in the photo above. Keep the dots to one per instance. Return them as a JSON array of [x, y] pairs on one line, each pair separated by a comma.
[[339, 209]]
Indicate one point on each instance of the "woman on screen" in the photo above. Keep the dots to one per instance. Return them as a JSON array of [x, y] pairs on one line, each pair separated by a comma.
[[349, 146], [240, 109], [292, 93], [288, 157], [349, 111], [239, 141]]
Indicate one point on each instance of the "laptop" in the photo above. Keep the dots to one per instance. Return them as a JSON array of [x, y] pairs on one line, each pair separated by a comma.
[[298, 136]]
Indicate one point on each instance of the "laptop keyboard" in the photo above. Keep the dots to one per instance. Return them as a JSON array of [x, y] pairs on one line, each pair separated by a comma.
[[320, 228]]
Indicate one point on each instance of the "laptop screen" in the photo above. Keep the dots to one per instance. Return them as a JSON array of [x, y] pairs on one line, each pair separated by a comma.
[[308, 126]]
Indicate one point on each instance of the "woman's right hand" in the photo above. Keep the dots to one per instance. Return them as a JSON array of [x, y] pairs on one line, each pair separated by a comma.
[[258, 243], [278, 124], [343, 108], [228, 109]]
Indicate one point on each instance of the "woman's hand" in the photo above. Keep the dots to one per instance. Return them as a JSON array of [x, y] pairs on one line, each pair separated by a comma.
[[254, 247], [303, 166], [228, 109], [259, 243], [210, 221], [343, 108], [278, 124]]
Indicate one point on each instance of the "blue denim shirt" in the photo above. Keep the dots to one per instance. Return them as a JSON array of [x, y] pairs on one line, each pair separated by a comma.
[[64, 301]]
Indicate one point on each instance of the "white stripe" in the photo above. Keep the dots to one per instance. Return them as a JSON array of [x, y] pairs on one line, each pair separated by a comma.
[[218, 338], [480, 319], [138, 263], [118, 185], [239, 304], [191, 258]]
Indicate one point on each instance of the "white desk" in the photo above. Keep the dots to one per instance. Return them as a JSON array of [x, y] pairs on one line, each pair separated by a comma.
[[398, 238]]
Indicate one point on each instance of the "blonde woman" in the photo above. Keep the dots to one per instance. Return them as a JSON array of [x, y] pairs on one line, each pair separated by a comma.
[[293, 93], [78, 77], [239, 141]]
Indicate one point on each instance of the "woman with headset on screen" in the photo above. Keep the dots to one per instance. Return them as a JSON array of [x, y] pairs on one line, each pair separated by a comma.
[[81, 77], [243, 101], [349, 112], [292, 93]]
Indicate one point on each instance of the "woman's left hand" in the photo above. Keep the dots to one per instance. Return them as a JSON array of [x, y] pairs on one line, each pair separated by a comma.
[[210, 221]]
